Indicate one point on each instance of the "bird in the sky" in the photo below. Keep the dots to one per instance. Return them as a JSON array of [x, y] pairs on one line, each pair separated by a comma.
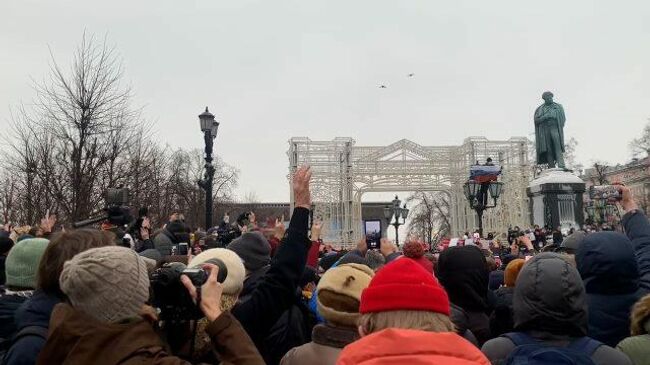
[[382, 86], [411, 75]]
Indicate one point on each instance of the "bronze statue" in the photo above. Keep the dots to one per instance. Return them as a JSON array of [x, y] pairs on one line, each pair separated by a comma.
[[549, 134]]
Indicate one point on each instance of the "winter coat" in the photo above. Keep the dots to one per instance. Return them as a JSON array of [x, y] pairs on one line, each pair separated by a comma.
[[637, 348], [637, 229], [9, 304], [610, 275], [460, 319], [293, 329], [501, 319], [550, 305], [35, 311], [327, 343], [464, 274], [76, 338], [406, 346], [312, 257], [275, 292]]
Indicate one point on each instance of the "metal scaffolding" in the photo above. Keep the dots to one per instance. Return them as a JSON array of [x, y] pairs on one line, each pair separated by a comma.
[[343, 172]]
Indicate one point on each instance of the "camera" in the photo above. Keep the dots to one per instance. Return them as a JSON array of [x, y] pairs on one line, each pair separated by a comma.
[[605, 192], [116, 211], [170, 295]]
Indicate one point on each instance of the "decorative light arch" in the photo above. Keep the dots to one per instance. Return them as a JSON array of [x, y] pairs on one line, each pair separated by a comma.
[[343, 172]]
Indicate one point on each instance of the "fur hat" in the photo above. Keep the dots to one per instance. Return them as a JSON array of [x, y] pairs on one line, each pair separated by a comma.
[[512, 271], [108, 283], [234, 282], [339, 293], [641, 316], [22, 262]]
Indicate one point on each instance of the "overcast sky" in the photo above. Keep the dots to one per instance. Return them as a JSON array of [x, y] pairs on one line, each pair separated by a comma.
[[270, 70]]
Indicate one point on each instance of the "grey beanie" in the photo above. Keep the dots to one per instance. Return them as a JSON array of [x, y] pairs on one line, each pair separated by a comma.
[[108, 283], [253, 249]]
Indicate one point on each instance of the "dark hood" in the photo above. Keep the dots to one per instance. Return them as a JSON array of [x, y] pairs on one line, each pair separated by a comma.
[[607, 264], [464, 274], [36, 310], [549, 297]]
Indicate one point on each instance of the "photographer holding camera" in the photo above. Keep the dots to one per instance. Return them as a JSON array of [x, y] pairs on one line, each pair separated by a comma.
[[106, 321]]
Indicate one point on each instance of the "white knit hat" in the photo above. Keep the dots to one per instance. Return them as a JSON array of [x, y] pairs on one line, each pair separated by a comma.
[[234, 282], [108, 283]]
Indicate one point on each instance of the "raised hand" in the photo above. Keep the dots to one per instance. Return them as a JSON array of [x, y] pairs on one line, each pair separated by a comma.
[[316, 230], [627, 202], [362, 246], [301, 192], [278, 228], [48, 223], [386, 247]]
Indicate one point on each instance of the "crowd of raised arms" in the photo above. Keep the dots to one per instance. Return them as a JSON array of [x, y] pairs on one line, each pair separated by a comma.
[[239, 294]]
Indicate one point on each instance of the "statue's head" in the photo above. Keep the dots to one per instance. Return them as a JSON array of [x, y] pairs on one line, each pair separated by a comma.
[[548, 97]]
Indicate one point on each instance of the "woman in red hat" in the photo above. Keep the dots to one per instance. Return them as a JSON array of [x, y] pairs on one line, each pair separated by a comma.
[[405, 320]]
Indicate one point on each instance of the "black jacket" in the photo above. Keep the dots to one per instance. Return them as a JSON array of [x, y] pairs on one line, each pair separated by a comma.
[[637, 229], [609, 272], [550, 305], [9, 304], [464, 274], [275, 292], [35, 311], [501, 319]]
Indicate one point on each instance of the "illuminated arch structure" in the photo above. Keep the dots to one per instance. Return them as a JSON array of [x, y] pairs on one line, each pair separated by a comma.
[[343, 172]]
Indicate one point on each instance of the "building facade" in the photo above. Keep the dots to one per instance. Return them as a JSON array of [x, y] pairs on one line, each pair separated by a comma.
[[635, 175]]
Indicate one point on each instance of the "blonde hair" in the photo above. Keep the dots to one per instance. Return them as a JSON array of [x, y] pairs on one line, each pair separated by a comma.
[[407, 319], [640, 314]]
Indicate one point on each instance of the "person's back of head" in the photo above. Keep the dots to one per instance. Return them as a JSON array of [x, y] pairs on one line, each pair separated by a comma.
[[404, 295], [512, 272], [464, 274], [607, 264], [405, 319], [339, 293], [109, 284], [550, 297], [375, 260], [63, 247], [234, 281], [22, 263], [6, 244], [253, 249]]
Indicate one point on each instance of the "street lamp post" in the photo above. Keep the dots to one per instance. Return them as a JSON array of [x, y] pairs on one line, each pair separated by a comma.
[[397, 212], [477, 195], [209, 127]]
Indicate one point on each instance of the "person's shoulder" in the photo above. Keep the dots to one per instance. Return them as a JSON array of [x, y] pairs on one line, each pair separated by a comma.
[[609, 355], [498, 348]]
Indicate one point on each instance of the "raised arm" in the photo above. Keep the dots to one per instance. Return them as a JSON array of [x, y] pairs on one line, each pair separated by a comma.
[[637, 229], [276, 290]]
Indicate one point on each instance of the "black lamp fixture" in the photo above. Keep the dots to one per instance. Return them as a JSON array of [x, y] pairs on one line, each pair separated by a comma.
[[209, 127], [394, 211], [477, 195]]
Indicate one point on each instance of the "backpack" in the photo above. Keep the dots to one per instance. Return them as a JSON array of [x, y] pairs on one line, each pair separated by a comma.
[[529, 351], [7, 344]]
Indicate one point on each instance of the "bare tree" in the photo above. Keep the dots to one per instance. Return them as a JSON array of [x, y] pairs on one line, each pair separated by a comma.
[[599, 175], [641, 145], [82, 136], [570, 156], [429, 214]]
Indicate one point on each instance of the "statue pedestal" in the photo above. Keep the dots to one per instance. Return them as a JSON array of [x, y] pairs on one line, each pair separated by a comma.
[[556, 199]]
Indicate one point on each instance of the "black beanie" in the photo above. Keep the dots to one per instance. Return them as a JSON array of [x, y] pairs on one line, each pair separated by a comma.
[[253, 249]]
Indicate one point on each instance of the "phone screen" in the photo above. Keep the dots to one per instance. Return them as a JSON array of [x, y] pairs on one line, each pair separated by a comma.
[[373, 233]]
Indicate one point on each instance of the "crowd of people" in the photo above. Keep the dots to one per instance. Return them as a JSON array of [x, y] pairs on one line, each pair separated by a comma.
[[280, 296]]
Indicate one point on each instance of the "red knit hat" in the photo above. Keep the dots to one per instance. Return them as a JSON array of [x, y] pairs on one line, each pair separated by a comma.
[[404, 284]]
